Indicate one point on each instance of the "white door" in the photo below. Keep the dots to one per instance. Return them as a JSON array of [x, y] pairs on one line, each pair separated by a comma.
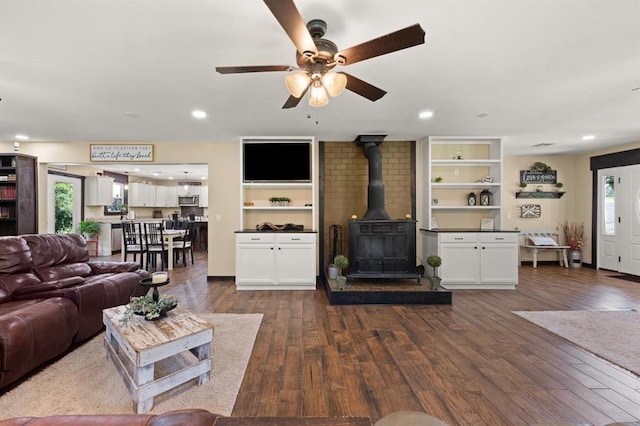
[[629, 226], [64, 203], [608, 215]]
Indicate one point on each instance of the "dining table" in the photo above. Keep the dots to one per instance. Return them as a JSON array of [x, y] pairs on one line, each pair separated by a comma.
[[169, 236]]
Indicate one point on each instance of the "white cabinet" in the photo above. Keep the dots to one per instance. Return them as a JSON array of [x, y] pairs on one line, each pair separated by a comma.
[[142, 195], [454, 167], [98, 190], [204, 196], [166, 196], [475, 260], [276, 261]]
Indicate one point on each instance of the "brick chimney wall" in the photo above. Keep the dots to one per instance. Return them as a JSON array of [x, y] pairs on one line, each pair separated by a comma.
[[346, 178]]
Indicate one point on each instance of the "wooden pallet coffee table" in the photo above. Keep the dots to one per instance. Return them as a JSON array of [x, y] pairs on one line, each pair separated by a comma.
[[135, 347]]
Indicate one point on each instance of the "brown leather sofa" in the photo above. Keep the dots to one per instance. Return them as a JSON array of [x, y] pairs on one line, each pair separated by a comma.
[[191, 417], [52, 296]]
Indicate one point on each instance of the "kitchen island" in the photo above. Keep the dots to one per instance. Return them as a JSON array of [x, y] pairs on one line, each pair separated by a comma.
[[473, 258]]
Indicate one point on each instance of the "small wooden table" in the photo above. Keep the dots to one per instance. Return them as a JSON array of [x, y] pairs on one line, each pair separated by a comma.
[[141, 343]]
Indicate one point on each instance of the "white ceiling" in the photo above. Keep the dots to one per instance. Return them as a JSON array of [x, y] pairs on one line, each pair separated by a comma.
[[544, 71]]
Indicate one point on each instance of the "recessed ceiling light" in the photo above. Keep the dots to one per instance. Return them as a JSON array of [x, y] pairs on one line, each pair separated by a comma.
[[21, 137], [588, 137], [426, 114], [131, 114], [203, 177], [170, 178], [156, 173], [198, 113], [136, 170]]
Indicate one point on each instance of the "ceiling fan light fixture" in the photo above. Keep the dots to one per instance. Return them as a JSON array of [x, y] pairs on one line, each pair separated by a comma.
[[334, 82], [297, 83], [318, 96]]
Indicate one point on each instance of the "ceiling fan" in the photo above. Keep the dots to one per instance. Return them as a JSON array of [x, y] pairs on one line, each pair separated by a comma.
[[316, 57]]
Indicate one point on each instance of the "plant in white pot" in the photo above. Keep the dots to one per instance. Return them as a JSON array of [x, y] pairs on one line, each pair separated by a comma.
[[434, 280], [340, 262]]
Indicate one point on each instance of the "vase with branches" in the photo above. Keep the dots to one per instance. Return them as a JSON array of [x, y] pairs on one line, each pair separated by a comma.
[[573, 234]]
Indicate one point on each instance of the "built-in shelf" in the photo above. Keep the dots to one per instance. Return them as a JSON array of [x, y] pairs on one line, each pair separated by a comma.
[[451, 185], [277, 208], [539, 194]]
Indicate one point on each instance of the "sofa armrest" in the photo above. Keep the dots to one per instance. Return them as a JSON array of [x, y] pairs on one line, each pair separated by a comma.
[[113, 267], [48, 286]]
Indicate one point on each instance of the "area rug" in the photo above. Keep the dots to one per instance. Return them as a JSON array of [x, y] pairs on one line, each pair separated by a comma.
[[85, 382], [612, 335]]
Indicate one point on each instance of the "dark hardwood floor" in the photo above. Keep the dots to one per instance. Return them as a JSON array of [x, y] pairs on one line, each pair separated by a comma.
[[471, 363]]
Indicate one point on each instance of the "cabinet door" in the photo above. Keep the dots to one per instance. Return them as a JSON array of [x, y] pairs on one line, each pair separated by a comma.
[[459, 263], [498, 263], [204, 196], [98, 191], [296, 264], [255, 263]]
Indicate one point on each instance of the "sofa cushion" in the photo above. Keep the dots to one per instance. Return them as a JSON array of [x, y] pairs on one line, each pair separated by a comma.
[[58, 256], [53, 249], [15, 255], [10, 285]]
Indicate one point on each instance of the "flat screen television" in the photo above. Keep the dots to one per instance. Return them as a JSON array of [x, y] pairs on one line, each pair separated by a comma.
[[276, 162]]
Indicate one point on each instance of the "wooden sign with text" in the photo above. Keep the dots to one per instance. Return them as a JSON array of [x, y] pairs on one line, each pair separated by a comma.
[[528, 176], [121, 153]]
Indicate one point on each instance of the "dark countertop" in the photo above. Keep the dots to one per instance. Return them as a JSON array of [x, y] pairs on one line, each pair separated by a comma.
[[255, 231], [438, 230]]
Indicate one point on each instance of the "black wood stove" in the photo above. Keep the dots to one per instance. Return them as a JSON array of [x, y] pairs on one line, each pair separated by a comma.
[[380, 247]]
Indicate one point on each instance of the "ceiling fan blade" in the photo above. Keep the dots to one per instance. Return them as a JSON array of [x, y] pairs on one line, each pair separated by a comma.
[[254, 68], [291, 21], [293, 101], [363, 88], [401, 39]]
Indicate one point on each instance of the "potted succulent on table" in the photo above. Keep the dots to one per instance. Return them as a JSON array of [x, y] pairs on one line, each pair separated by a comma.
[[559, 186], [340, 262], [523, 186], [434, 280], [89, 229], [149, 308]]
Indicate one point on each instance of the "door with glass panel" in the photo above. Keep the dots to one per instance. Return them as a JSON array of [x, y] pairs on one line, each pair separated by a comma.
[[608, 219], [64, 199]]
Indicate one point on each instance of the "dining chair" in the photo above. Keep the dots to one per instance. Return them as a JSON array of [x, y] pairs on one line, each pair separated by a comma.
[[133, 241], [156, 245], [186, 243]]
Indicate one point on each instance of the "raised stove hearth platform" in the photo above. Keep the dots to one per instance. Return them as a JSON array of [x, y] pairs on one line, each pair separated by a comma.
[[386, 291]]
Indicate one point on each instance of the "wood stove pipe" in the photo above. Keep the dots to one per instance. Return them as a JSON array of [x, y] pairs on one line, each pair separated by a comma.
[[375, 190]]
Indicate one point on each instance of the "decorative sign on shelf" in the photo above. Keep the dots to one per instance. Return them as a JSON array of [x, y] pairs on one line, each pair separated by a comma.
[[121, 153], [529, 176]]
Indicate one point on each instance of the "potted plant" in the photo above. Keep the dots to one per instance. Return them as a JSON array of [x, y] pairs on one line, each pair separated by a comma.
[[341, 262], [437, 179], [147, 307], [522, 186], [434, 280], [89, 229], [559, 186]]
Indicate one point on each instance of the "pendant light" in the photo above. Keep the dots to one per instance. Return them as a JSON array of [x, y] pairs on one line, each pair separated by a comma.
[[186, 184]]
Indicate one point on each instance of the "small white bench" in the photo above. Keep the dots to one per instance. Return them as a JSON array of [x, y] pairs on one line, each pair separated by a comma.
[[543, 240]]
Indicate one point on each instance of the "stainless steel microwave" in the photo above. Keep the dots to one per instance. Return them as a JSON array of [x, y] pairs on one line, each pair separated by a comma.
[[188, 200]]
